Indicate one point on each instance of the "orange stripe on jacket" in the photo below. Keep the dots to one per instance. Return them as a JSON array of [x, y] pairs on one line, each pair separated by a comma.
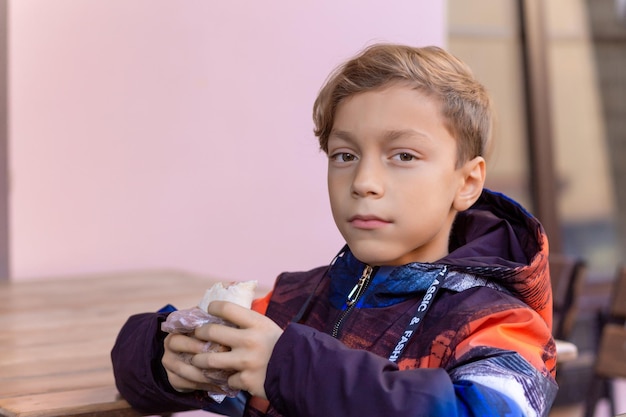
[[521, 330], [260, 305]]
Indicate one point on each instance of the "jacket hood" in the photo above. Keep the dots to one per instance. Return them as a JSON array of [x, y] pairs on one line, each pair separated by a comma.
[[495, 231], [495, 243], [499, 240]]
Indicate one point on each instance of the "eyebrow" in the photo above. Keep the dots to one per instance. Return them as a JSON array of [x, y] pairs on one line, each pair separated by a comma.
[[340, 134], [388, 136], [398, 134]]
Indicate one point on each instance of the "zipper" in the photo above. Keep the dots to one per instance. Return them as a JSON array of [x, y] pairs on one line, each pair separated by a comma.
[[353, 297]]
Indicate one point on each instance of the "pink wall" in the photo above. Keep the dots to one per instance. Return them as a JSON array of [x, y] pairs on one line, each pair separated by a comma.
[[177, 134]]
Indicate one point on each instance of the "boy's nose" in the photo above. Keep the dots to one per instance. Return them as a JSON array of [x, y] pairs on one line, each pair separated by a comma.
[[367, 180]]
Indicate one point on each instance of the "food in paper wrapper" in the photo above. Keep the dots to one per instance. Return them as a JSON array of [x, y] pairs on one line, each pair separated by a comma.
[[241, 293], [185, 321]]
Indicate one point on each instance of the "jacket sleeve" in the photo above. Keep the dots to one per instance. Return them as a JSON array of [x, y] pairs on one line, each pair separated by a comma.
[[313, 374], [141, 379]]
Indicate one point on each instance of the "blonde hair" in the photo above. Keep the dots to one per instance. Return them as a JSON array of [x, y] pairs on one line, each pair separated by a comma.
[[465, 104]]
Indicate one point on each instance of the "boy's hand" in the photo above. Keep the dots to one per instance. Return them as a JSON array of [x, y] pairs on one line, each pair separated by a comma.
[[251, 346], [182, 375]]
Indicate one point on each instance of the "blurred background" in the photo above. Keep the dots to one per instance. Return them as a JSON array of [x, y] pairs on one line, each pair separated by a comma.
[[152, 134], [557, 72], [585, 74]]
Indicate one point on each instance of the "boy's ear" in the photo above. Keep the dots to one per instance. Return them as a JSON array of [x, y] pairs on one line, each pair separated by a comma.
[[473, 172]]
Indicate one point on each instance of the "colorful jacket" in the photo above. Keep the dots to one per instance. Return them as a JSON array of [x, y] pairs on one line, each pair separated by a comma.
[[483, 347]]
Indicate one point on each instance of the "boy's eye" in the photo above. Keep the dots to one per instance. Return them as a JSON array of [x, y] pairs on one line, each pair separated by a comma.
[[404, 157], [343, 157]]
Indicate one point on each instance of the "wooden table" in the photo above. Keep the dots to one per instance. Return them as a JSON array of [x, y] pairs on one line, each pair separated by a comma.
[[56, 336]]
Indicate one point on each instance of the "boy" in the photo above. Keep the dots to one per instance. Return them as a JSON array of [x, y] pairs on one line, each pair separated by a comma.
[[438, 305]]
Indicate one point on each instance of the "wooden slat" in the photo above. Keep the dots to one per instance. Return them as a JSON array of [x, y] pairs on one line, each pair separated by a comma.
[[68, 403], [26, 385], [76, 350], [25, 336], [63, 368]]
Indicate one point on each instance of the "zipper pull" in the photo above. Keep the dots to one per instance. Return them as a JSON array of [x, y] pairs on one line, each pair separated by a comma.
[[360, 286]]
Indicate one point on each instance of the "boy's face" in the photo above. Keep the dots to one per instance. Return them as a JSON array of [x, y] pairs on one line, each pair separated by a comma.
[[392, 178]]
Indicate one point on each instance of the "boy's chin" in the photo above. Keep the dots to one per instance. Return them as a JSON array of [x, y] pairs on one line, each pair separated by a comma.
[[373, 256]]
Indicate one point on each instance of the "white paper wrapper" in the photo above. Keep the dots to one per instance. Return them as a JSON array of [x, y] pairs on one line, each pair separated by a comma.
[[241, 293]]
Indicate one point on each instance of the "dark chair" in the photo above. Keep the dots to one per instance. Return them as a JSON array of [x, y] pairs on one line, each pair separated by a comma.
[[567, 274], [610, 362]]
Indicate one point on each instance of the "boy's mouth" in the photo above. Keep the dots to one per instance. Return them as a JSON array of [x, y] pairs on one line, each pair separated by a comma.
[[367, 222]]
